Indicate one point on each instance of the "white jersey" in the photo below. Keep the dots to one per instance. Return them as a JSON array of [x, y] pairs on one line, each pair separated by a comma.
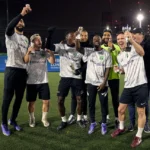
[[87, 52], [70, 60], [133, 65], [37, 67], [97, 63], [16, 49]]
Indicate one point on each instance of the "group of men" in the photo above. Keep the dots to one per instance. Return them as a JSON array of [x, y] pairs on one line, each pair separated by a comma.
[[87, 69]]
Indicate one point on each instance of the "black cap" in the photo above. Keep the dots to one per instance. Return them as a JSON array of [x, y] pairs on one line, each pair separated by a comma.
[[138, 30], [108, 30]]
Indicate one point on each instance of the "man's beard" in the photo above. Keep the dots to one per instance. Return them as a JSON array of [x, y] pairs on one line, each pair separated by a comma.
[[20, 29], [96, 47]]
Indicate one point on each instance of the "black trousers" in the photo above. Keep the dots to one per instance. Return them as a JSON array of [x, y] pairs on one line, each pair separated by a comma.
[[103, 98], [14, 83], [114, 88]]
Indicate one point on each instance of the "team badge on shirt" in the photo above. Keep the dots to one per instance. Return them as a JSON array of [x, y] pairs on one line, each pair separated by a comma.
[[101, 57]]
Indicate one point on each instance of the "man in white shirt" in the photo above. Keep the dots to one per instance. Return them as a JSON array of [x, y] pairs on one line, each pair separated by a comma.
[[70, 62], [135, 88], [99, 63], [15, 72], [37, 82]]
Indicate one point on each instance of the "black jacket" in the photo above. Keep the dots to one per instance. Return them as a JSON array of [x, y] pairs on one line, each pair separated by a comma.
[[146, 45]]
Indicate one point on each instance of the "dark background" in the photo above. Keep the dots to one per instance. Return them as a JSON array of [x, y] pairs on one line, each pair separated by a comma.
[[93, 15]]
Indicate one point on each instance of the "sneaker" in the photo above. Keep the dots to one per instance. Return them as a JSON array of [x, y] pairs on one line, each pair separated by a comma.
[[86, 121], [45, 123], [116, 124], [5, 129], [131, 127], [62, 126], [71, 119], [32, 122], [92, 127], [117, 132], [146, 128], [136, 141], [81, 124], [14, 123], [103, 128]]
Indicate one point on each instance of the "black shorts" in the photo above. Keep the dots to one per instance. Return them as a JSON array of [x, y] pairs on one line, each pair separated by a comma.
[[66, 83], [42, 90], [138, 95]]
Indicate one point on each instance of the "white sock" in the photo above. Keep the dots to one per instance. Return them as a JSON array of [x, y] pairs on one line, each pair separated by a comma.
[[85, 117], [31, 115], [121, 125], [78, 117], [108, 117], [139, 132], [64, 119], [44, 115]]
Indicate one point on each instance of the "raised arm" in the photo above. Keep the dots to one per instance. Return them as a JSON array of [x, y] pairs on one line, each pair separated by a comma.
[[51, 59], [14, 22], [27, 56], [138, 48]]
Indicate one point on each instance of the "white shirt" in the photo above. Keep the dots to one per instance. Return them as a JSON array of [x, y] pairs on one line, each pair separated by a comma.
[[97, 63], [133, 65], [16, 49], [70, 60], [37, 67]]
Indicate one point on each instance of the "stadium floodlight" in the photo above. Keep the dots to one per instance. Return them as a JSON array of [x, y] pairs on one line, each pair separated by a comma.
[[107, 28], [140, 17]]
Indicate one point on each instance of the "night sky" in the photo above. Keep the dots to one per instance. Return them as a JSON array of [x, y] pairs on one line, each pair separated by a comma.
[[69, 14], [73, 13]]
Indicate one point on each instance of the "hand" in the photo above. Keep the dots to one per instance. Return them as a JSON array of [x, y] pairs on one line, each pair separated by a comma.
[[30, 49], [129, 36], [26, 10], [110, 44], [101, 87], [49, 51], [116, 68]]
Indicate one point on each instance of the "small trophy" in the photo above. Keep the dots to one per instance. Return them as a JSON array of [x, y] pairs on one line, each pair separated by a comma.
[[127, 28]]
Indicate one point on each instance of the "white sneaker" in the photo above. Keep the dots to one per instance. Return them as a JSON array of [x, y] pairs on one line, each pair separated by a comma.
[[45, 123], [32, 122]]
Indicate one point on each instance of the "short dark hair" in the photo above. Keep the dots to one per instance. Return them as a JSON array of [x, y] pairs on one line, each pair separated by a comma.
[[68, 32]]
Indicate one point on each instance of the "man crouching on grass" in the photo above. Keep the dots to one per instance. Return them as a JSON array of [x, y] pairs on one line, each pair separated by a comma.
[[37, 82], [135, 88]]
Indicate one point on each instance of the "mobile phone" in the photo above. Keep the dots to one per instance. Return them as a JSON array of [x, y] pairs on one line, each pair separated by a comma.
[[32, 44]]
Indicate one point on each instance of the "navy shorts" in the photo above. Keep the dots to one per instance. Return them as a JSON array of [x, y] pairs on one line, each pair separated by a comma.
[[33, 90], [138, 95], [66, 83]]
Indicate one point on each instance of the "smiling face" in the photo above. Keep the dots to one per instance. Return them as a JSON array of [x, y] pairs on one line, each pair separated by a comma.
[[96, 41], [106, 37], [121, 41]]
